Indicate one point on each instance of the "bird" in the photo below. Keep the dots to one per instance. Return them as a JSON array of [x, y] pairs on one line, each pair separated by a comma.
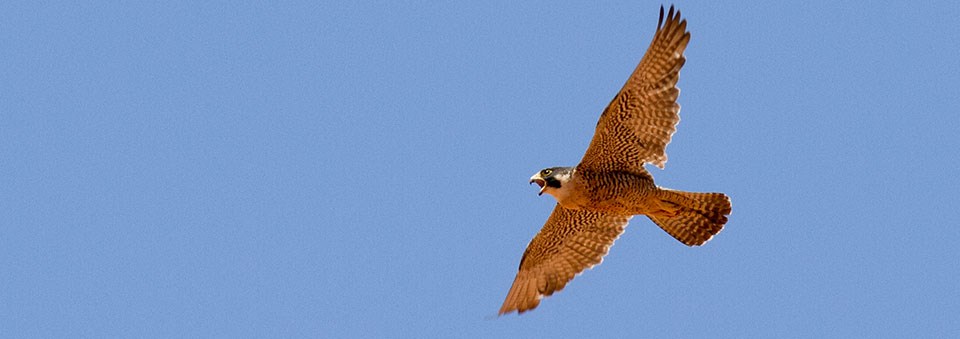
[[598, 197]]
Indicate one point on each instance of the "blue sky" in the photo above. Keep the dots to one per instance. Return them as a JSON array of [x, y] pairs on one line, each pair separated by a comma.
[[320, 169]]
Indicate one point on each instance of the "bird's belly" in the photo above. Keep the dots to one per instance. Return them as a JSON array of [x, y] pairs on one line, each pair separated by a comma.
[[627, 204], [624, 195]]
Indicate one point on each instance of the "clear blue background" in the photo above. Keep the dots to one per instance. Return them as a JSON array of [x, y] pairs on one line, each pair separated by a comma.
[[322, 169]]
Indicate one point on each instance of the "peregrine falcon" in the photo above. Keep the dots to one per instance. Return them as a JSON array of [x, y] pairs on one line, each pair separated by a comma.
[[597, 198]]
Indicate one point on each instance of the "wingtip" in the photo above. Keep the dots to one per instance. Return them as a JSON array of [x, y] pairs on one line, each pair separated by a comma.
[[660, 21], [507, 310], [673, 14]]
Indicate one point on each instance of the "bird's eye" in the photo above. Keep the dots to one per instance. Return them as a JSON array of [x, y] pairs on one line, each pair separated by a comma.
[[547, 172]]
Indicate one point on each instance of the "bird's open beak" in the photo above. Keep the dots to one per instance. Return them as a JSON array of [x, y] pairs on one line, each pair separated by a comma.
[[536, 178]]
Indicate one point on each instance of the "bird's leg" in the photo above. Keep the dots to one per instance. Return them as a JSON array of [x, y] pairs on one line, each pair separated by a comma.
[[663, 209]]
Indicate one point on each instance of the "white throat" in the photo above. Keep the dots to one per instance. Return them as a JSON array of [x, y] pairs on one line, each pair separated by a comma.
[[566, 187]]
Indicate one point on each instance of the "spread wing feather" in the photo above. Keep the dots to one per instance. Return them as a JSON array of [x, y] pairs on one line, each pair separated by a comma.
[[639, 122], [570, 242]]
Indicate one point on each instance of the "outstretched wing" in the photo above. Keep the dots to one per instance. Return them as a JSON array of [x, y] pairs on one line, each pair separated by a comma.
[[637, 125], [570, 242]]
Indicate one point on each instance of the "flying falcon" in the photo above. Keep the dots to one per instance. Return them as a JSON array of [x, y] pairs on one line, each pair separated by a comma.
[[597, 198]]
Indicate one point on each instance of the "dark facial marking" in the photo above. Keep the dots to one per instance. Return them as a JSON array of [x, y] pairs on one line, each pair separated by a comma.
[[552, 182]]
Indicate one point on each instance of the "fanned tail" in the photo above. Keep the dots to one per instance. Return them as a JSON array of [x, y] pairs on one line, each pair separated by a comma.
[[693, 218]]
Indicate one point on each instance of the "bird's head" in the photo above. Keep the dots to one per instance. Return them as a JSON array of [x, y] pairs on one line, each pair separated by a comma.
[[552, 180]]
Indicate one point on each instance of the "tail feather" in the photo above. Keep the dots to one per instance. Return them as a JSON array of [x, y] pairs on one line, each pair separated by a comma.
[[696, 217]]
